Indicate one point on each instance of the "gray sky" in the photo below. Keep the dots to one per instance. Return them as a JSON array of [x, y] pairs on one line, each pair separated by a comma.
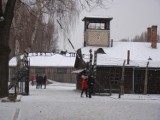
[[130, 18]]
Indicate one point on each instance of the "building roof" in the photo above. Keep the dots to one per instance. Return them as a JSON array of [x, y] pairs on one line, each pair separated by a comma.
[[140, 52], [47, 60], [97, 19]]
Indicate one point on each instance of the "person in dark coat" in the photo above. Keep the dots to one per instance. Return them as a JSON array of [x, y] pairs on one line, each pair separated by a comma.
[[40, 79], [84, 86], [44, 81], [37, 81], [91, 83]]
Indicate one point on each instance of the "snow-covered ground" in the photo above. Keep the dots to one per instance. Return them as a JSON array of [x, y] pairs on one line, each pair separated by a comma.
[[62, 102]]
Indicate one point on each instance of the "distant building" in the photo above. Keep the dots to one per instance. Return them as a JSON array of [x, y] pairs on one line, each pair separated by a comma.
[[135, 66], [57, 67]]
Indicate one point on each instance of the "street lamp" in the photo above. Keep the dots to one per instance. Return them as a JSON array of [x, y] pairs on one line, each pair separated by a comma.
[[146, 77], [149, 58]]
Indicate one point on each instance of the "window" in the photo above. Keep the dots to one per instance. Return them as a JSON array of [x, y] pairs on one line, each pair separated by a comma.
[[96, 26]]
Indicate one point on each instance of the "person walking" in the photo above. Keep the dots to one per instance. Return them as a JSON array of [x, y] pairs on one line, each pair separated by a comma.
[[91, 83], [44, 81], [40, 78], [84, 86], [37, 81]]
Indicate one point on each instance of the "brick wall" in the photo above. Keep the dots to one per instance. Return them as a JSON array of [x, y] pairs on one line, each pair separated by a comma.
[[97, 38], [152, 36]]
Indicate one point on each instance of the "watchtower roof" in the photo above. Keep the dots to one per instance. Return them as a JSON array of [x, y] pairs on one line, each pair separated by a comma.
[[97, 19]]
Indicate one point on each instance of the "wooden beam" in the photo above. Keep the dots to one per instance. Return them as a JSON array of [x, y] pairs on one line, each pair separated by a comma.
[[146, 79], [121, 91]]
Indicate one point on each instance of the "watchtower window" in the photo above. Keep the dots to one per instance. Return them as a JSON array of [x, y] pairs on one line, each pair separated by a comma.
[[96, 26]]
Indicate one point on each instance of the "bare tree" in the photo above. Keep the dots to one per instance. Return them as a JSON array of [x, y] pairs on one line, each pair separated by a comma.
[[64, 10], [28, 30], [6, 16], [140, 38]]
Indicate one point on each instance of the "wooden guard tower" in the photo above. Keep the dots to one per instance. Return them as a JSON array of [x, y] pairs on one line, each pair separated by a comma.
[[97, 31]]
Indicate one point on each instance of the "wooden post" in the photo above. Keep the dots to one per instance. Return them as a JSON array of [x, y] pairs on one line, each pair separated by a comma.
[[121, 91], [95, 65], [15, 91], [128, 56], [90, 63], [146, 79], [133, 80], [111, 42]]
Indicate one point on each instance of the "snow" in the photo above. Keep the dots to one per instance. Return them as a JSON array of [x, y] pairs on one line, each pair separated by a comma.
[[139, 54], [60, 101], [52, 60]]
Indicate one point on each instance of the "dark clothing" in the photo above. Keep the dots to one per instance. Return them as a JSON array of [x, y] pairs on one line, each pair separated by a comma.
[[44, 81], [37, 81], [86, 92], [40, 81], [91, 83]]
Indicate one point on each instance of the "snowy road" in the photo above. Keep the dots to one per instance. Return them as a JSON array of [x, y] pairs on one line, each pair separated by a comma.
[[62, 102]]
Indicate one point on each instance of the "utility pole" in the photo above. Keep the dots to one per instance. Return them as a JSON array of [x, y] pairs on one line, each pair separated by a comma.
[[146, 79], [90, 62], [121, 87]]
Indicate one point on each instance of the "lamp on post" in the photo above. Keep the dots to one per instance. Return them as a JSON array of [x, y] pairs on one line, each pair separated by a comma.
[[149, 58], [146, 77]]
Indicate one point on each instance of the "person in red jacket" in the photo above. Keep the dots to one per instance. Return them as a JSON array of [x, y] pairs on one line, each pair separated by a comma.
[[32, 79], [84, 86]]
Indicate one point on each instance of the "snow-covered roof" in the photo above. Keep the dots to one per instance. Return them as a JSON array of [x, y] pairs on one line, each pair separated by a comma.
[[48, 60], [140, 52], [115, 56]]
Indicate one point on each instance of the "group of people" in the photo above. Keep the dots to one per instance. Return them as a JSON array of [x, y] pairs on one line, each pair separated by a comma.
[[87, 85], [41, 80]]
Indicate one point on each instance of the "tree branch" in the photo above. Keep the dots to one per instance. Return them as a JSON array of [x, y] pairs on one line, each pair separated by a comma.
[[1, 11]]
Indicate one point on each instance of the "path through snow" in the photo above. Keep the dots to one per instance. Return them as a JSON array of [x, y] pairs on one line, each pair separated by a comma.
[[62, 102]]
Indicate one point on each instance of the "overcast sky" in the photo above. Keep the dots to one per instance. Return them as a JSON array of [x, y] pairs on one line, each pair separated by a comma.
[[130, 18]]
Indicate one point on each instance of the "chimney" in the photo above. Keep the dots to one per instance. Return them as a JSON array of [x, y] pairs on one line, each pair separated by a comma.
[[149, 32], [154, 37], [128, 57]]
